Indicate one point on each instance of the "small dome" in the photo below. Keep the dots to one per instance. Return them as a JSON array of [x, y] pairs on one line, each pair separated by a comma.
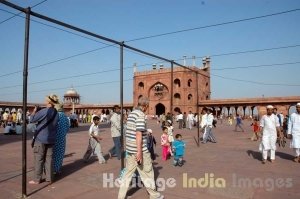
[[71, 91]]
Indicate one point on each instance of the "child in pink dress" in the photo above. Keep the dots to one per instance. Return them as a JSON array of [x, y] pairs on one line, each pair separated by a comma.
[[165, 143]]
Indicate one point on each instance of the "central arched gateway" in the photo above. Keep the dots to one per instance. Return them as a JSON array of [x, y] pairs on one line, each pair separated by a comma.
[[160, 109]]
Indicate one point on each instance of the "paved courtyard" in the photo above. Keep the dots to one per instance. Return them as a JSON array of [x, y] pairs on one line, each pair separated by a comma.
[[229, 169]]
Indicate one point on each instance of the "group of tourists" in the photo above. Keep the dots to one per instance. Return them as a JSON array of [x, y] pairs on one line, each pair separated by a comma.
[[49, 139], [11, 121], [52, 125]]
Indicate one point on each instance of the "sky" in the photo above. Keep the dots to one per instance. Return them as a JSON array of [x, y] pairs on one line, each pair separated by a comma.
[[61, 58]]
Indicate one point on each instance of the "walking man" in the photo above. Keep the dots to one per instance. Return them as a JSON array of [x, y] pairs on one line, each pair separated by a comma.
[[208, 125], [115, 121], [270, 127], [180, 120], [294, 132], [190, 120], [138, 157]]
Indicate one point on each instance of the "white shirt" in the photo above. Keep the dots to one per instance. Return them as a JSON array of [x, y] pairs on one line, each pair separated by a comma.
[[115, 125], [294, 124], [180, 117], [190, 117], [210, 119], [94, 129], [269, 124], [203, 120]]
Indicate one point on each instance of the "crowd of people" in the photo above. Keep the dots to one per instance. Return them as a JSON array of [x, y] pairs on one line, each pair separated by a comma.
[[52, 125], [11, 121]]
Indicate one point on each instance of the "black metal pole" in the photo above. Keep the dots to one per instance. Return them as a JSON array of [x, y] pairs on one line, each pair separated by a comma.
[[60, 23], [25, 75], [121, 102], [198, 119], [172, 84]]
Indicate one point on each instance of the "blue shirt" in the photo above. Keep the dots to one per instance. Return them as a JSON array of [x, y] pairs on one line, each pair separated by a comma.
[[239, 120], [47, 135], [179, 147]]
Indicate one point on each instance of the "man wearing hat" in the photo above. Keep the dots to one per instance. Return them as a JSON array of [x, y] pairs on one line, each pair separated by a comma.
[[269, 124], [44, 139], [294, 132]]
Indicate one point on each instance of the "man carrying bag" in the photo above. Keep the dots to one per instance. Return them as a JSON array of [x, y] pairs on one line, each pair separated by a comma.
[[44, 139]]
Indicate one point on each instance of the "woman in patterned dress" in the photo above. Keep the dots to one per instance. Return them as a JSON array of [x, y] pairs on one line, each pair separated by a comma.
[[60, 143]]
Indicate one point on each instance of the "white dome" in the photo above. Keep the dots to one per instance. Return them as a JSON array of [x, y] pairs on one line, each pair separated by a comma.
[[72, 91]]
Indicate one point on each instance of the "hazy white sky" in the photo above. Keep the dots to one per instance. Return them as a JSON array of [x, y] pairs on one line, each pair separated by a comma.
[[127, 20]]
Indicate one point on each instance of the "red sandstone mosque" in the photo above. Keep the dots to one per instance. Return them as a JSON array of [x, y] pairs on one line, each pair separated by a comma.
[[156, 85]]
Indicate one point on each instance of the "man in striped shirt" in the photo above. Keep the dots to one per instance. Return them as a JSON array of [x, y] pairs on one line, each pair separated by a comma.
[[138, 156]]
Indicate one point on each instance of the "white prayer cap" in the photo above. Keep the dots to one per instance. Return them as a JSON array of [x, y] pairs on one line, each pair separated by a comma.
[[270, 107], [149, 130], [169, 121], [298, 104]]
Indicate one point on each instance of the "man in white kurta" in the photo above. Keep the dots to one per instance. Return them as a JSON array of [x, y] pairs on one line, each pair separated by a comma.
[[190, 120], [208, 125], [203, 122], [294, 132], [270, 127]]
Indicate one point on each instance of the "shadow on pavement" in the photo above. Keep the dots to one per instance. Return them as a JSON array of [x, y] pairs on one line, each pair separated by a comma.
[[284, 156], [255, 154]]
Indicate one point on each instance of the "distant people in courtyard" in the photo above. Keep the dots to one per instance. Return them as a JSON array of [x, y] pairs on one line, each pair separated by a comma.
[[269, 124], [221, 118], [10, 127], [4, 118], [190, 120], [84, 118], [14, 116], [138, 157], [207, 125], [151, 143], [169, 116], [44, 139], [63, 127], [294, 132], [162, 119], [239, 123], [180, 120], [80, 118], [196, 123], [184, 120], [170, 135], [255, 126], [115, 122], [19, 116], [89, 118], [230, 120], [94, 146], [92, 116], [285, 126], [165, 144], [74, 120], [203, 121], [178, 150]]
